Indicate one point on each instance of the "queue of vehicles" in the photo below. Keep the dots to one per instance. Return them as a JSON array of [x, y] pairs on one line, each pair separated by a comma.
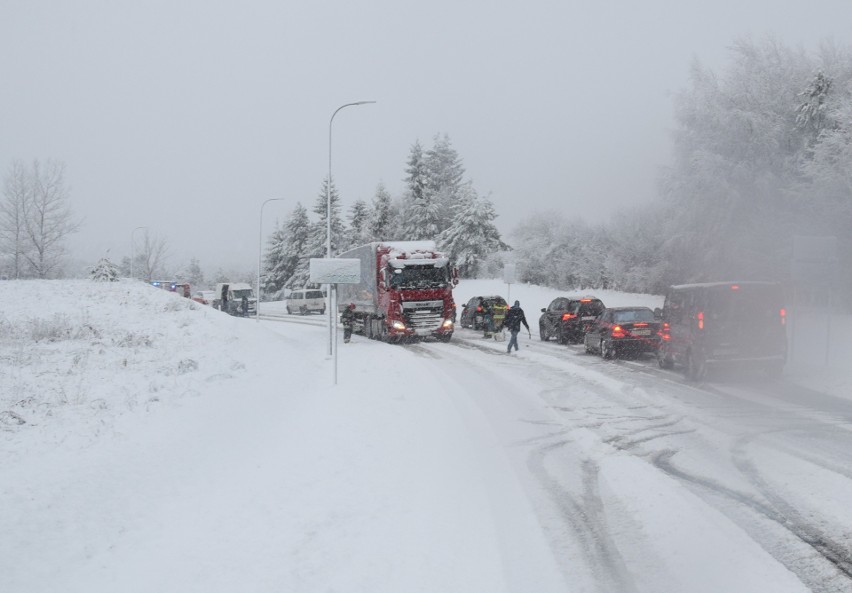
[[405, 293], [701, 327]]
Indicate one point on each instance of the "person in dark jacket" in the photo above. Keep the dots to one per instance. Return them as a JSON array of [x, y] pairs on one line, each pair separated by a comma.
[[347, 317], [514, 318]]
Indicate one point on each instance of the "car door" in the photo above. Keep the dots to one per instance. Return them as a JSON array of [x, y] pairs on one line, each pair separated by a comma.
[[553, 316], [597, 329]]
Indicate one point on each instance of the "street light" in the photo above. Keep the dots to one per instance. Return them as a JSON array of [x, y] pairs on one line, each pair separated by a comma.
[[259, 255], [332, 318], [132, 254]]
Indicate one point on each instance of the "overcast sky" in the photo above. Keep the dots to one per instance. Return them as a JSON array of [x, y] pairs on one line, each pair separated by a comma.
[[184, 116]]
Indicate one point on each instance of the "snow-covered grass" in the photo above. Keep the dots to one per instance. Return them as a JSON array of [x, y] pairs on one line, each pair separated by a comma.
[[149, 443]]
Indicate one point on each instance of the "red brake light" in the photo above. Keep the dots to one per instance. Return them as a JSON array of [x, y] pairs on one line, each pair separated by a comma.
[[735, 286], [664, 331], [640, 324], [617, 331], [700, 318], [567, 316], [479, 308], [585, 300], [783, 316]]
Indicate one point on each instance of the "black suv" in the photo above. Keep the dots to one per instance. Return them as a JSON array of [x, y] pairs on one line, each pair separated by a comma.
[[723, 324], [471, 315], [569, 318]]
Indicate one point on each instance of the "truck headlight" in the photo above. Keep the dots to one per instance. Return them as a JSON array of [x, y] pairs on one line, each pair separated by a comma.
[[448, 324], [398, 325]]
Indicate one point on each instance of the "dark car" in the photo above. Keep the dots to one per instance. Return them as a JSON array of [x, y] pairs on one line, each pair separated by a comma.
[[568, 318], [724, 324], [624, 330], [472, 311]]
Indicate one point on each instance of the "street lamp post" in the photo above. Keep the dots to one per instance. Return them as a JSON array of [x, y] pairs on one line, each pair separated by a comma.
[[332, 318], [259, 256], [132, 253]]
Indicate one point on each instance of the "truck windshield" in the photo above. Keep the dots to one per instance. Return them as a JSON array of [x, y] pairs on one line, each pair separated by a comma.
[[418, 277], [245, 292]]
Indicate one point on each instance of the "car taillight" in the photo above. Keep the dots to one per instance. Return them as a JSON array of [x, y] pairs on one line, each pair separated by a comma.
[[640, 325], [479, 308], [783, 316], [700, 318], [617, 331], [567, 316], [664, 332]]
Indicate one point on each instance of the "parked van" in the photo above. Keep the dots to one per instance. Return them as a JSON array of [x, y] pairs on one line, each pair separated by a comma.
[[228, 297], [306, 300], [723, 324]]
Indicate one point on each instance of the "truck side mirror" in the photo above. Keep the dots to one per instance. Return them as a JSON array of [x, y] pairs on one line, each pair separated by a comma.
[[455, 276]]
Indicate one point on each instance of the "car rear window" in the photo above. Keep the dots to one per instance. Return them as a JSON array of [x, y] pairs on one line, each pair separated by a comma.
[[314, 294], [633, 315], [745, 303], [591, 309]]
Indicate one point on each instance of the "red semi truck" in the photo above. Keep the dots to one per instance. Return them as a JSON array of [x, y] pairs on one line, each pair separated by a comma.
[[405, 293]]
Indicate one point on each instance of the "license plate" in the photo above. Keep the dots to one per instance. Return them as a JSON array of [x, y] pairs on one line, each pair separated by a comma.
[[641, 332]]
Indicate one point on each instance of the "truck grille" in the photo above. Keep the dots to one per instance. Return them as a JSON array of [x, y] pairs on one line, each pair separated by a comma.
[[423, 317]]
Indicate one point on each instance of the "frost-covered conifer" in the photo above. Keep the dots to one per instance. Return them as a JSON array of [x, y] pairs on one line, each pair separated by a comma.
[[104, 271]]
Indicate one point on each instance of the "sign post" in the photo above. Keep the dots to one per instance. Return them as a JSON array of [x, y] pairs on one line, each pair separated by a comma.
[[509, 278], [335, 271]]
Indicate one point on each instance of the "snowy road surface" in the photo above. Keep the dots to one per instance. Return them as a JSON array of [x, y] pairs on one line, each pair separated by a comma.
[[166, 447]]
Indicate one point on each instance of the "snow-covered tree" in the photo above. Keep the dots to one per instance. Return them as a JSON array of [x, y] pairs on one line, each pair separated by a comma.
[[104, 271], [471, 236], [359, 222], [381, 215], [445, 175], [422, 214], [36, 218], [287, 252]]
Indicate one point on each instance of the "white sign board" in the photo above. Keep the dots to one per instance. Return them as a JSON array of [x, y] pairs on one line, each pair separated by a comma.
[[335, 271], [509, 273]]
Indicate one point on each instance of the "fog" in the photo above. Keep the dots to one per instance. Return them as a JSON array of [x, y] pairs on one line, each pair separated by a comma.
[[183, 118]]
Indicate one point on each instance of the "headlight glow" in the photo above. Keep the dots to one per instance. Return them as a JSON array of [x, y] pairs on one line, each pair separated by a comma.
[[398, 325]]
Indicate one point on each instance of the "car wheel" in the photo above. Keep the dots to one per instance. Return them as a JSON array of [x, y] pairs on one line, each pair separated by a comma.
[[542, 333], [664, 361], [607, 351], [289, 312], [560, 337], [303, 310], [322, 311], [587, 347]]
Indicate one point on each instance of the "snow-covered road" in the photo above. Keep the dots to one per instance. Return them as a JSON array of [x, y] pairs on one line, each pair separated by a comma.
[[164, 446]]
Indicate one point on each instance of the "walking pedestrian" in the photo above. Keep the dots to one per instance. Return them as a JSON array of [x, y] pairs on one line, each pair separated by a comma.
[[514, 318], [487, 319], [347, 317]]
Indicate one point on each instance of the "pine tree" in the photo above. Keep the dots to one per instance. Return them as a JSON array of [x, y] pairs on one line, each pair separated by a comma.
[[445, 174], [472, 235], [104, 271], [272, 279], [380, 221], [422, 214], [293, 266], [359, 221]]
